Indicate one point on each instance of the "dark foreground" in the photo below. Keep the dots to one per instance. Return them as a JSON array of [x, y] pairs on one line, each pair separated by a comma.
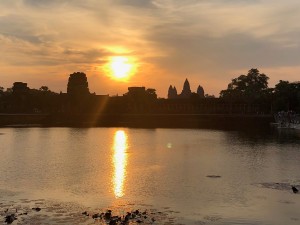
[[41, 211], [214, 121]]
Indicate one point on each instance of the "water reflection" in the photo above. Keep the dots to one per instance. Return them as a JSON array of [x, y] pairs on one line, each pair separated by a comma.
[[120, 162]]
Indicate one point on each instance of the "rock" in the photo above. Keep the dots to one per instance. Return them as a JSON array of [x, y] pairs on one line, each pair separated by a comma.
[[85, 213], [95, 216], [295, 190], [127, 217], [37, 209], [10, 218], [107, 215], [213, 176], [115, 218], [113, 222]]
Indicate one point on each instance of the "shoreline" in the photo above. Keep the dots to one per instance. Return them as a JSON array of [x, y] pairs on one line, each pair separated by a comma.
[[21, 210], [201, 121]]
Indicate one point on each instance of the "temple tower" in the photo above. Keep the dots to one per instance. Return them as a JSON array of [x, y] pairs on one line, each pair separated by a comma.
[[172, 92], [200, 91], [78, 84], [186, 91]]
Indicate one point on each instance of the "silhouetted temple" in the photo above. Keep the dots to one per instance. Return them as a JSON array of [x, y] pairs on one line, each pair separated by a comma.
[[136, 91], [78, 98], [200, 91], [20, 88], [138, 107], [172, 93], [78, 84], [186, 91]]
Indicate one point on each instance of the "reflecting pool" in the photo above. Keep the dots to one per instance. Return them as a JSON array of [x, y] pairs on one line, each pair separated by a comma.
[[198, 176]]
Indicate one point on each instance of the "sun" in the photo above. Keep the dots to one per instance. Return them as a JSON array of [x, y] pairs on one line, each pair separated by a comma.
[[121, 67]]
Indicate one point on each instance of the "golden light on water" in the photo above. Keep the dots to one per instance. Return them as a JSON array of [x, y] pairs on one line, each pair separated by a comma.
[[120, 162], [120, 68]]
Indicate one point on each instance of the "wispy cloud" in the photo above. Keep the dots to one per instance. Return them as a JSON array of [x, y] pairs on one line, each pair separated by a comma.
[[206, 41]]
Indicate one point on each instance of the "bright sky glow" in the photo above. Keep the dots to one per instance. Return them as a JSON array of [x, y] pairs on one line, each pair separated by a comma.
[[208, 42], [120, 67]]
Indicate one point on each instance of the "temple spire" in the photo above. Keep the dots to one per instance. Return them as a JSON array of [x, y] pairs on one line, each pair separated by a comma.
[[186, 91]]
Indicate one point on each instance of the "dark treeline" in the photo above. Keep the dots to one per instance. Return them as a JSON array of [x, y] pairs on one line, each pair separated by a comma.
[[253, 89], [247, 94]]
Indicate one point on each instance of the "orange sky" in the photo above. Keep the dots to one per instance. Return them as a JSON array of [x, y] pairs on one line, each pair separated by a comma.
[[208, 42]]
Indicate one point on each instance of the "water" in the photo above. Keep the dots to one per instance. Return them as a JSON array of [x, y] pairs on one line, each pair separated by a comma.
[[164, 169]]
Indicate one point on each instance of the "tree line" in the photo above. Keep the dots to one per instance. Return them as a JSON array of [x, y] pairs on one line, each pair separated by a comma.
[[245, 90], [253, 89]]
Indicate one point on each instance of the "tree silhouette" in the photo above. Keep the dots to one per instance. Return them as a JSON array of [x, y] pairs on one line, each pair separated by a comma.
[[287, 96], [44, 88], [151, 92], [78, 85], [248, 87]]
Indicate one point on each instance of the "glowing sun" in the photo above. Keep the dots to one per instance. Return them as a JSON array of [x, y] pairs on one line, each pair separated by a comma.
[[120, 67]]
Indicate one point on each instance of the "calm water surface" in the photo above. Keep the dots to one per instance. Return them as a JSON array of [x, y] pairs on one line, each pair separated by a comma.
[[167, 168]]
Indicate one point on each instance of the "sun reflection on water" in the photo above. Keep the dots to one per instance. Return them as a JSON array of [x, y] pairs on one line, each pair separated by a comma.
[[120, 162]]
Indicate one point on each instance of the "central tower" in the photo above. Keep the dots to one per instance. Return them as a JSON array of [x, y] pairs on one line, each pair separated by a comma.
[[186, 91]]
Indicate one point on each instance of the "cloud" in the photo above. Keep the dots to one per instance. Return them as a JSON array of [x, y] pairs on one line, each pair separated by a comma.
[[172, 39], [213, 38], [135, 3], [44, 2]]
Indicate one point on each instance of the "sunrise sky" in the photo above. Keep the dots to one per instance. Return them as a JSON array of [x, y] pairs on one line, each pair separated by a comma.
[[161, 42]]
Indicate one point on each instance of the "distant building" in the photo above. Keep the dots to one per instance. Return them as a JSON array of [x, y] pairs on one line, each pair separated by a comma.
[[186, 91], [141, 93], [136, 91], [20, 88], [200, 91], [78, 84], [172, 92]]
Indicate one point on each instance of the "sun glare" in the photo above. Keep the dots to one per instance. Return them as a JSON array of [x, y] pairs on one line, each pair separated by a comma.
[[121, 67]]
